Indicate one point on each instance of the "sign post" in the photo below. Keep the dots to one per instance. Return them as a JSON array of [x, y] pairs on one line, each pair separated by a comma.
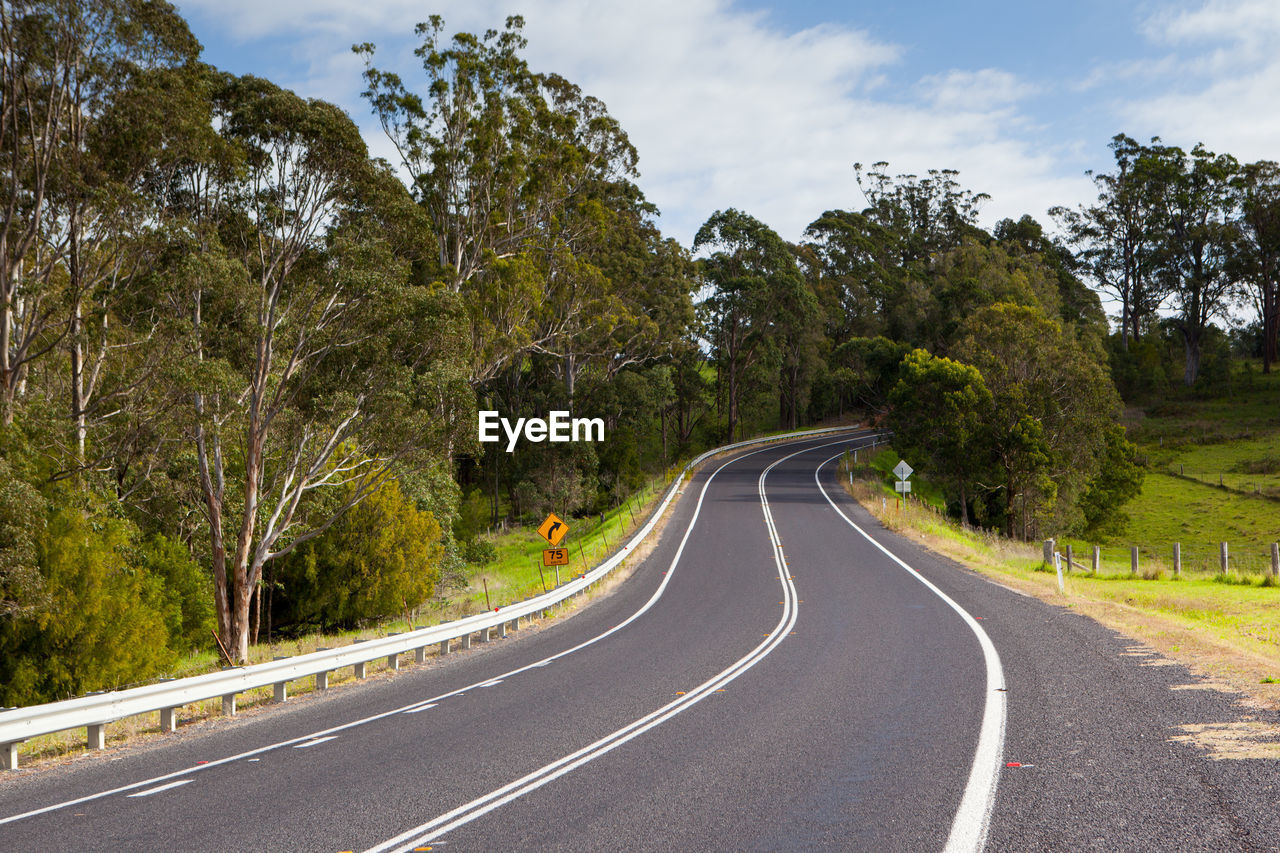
[[554, 530], [903, 487]]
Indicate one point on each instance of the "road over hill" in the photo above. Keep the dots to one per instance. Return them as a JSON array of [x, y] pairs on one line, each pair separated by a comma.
[[780, 674]]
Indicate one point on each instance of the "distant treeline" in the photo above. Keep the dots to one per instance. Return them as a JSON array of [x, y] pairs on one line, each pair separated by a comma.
[[241, 360]]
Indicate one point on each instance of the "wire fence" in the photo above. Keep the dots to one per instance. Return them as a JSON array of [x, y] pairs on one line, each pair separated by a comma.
[[1256, 485], [1176, 558]]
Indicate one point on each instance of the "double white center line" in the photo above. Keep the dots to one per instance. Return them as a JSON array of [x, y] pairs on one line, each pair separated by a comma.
[[434, 829]]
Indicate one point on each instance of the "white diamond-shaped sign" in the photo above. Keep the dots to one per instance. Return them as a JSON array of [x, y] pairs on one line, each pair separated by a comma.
[[903, 470]]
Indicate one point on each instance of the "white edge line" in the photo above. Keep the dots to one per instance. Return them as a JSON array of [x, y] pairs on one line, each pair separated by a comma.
[[973, 817]]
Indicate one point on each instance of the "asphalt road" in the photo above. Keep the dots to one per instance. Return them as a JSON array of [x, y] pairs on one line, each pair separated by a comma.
[[768, 679]]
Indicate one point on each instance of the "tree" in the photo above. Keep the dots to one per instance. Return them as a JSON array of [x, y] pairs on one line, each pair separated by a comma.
[[1193, 207], [1118, 481], [940, 416], [1116, 239], [500, 158], [62, 64], [313, 365], [755, 286], [1052, 402], [1256, 190]]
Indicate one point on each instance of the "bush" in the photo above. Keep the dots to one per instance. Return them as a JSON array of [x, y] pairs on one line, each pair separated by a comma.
[[103, 625], [480, 552], [188, 593], [382, 558]]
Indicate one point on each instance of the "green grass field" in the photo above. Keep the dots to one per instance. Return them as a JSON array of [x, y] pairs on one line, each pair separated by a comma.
[[1233, 438]]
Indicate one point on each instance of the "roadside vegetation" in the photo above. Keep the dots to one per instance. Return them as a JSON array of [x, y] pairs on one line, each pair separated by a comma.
[[1226, 626]]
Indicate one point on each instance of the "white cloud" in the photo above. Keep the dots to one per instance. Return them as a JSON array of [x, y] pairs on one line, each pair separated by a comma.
[[725, 109], [1219, 86], [989, 87]]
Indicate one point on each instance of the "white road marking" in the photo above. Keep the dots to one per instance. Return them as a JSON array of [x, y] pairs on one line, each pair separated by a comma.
[[492, 683], [973, 818], [315, 742], [422, 707], [157, 790], [374, 717], [430, 832]]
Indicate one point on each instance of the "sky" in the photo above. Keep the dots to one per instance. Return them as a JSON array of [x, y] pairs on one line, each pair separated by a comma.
[[765, 106]]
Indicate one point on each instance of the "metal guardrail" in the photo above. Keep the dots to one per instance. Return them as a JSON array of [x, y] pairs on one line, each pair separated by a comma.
[[95, 711]]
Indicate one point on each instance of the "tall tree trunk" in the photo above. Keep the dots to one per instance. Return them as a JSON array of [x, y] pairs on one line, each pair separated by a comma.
[[1191, 340]]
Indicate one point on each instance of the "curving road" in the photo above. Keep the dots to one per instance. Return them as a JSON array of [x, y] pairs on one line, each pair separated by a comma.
[[779, 674]]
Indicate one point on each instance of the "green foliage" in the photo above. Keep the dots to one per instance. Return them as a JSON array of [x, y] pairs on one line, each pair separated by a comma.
[[382, 558], [1052, 405], [941, 421], [187, 591], [1118, 481], [105, 623], [22, 512]]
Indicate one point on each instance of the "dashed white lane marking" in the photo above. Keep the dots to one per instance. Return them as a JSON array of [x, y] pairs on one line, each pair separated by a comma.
[[424, 706], [160, 788], [314, 742]]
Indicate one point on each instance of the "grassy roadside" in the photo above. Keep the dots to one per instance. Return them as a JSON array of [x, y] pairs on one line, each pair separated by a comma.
[[1224, 627]]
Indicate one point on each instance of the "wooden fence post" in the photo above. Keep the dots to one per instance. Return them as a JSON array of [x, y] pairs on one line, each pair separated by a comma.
[[1097, 558], [1070, 557], [1133, 560], [1048, 552], [1177, 559], [1223, 560], [1275, 559]]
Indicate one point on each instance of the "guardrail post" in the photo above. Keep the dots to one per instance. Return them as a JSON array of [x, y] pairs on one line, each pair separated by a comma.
[[9, 756], [279, 692], [1223, 559], [1097, 558], [229, 705], [1133, 560], [1275, 559], [465, 641], [444, 647], [97, 736], [515, 624], [168, 719], [393, 661], [322, 680], [484, 635], [359, 669], [502, 631], [1177, 559], [420, 654]]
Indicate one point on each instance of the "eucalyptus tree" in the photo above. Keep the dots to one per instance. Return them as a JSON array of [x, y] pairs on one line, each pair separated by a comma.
[[314, 370], [1052, 402], [1194, 217], [941, 420], [1116, 239], [62, 62], [498, 156], [1256, 188], [755, 287]]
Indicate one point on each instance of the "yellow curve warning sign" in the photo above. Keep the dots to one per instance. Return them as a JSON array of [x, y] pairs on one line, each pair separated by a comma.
[[553, 530]]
